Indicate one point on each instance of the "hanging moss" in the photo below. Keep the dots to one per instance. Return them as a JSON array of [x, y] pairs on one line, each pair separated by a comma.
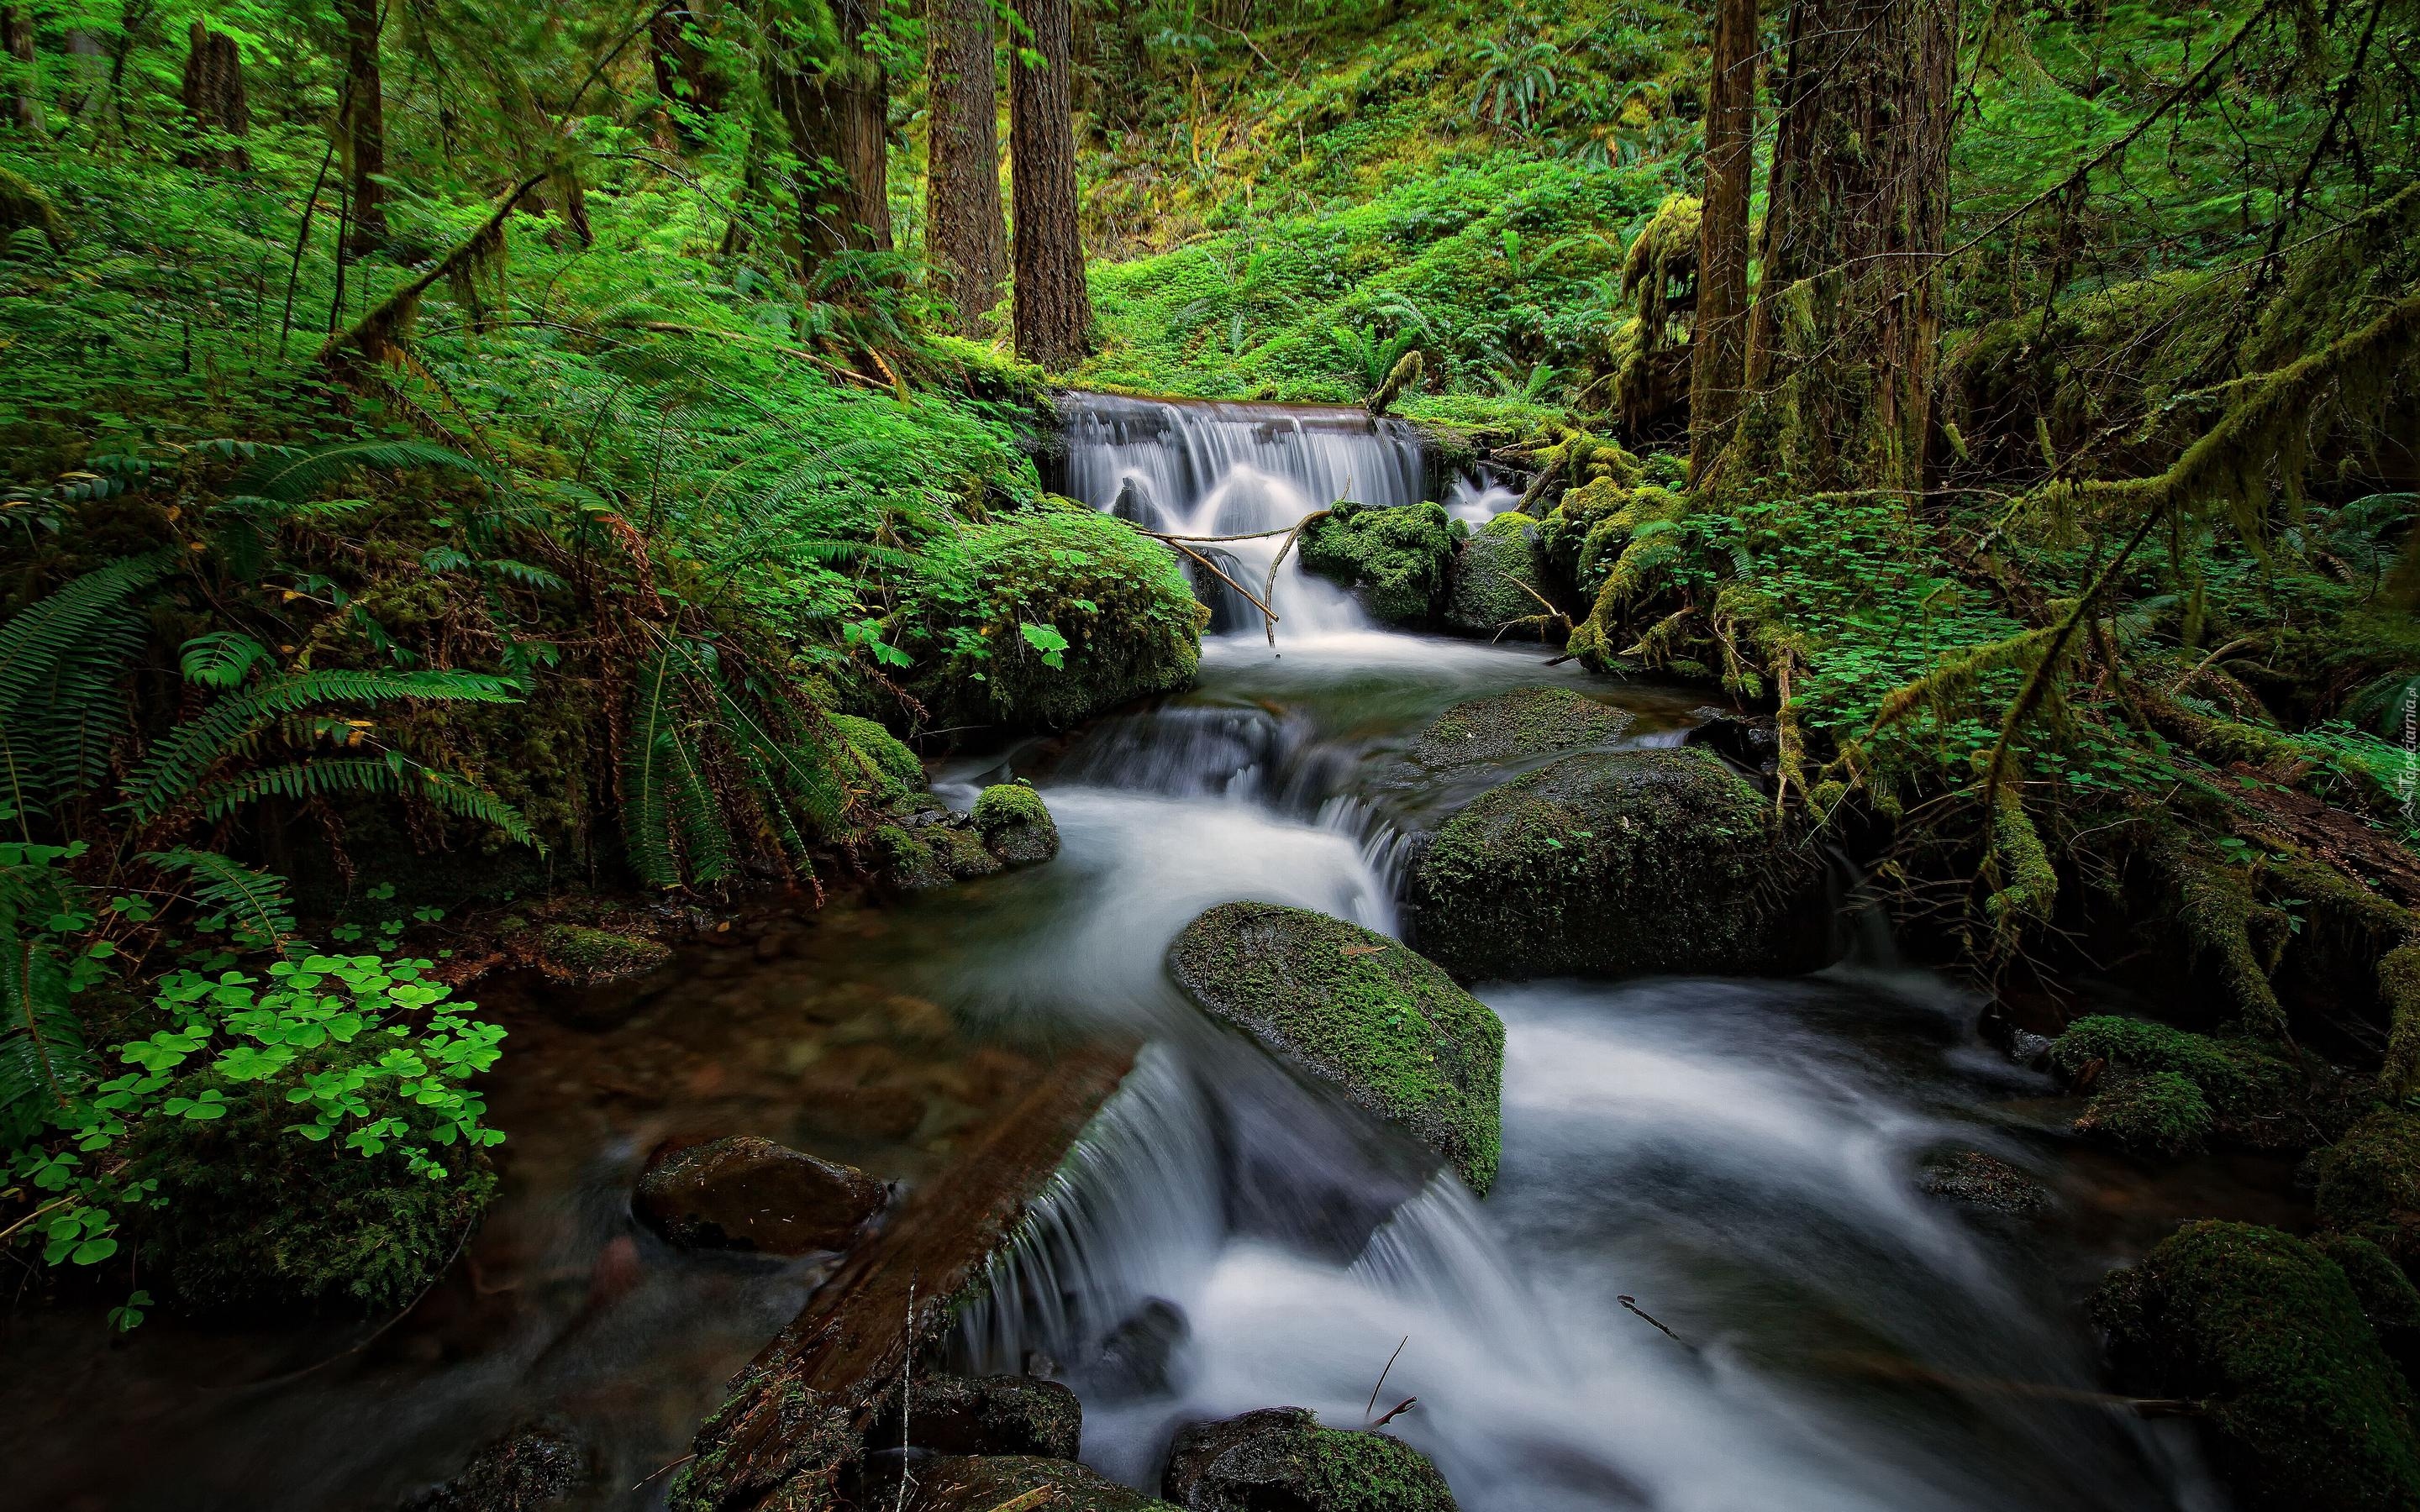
[[1396, 560], [2025, 883]]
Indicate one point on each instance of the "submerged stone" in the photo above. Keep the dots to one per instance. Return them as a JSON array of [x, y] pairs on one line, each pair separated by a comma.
[[1279, 1459], [740, 1192], [1359, 1010], [1975, 1180], [1527, 721], [2303, 1410], [1614, 863], [1016, 825]]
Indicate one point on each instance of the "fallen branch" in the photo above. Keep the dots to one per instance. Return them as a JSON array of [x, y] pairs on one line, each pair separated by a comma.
[[1631, 1304], [1395, 1412], [1211, 568]]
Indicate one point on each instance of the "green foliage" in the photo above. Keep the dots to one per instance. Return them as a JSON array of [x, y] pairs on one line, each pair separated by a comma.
[[1399, 559]]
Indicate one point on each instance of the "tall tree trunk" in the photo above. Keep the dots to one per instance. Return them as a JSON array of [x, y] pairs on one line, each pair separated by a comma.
[[838, 113], [17, 40], [1842, 340], [364, 127], [214, 100], [683, 71], [968, 242], [1719, 340], [1054, 310]]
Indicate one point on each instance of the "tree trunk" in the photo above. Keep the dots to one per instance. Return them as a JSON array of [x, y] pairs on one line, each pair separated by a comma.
[[683, 71], [17, 40], [838, 113], [1841, 341], [1719, 337], [1054, 311], [364, 128], [214, 100], [966, 238]]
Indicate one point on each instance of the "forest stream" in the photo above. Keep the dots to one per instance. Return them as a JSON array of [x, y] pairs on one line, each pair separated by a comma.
[[1706, 1278]]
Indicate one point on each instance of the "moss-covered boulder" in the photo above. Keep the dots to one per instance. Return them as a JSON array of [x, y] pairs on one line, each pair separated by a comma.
[[931, 849], [2168, 1091], [1279, 1459], [744, 1193], [1496, 578], [581, 956], [2303, 1409], [1527, 721], [1971, 1178], [990, 1483], [1398, 560], [2369, 1184], [254, 1218], [1361, 1012], [1016, 825], [982, 1415], [1614, 863], [1046, 617], [534, 1470], [2387, 1297], [886, 770]]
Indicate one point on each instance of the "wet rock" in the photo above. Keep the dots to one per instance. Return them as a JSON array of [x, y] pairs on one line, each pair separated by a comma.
[[1139, 1356], [1976, 1179], [931, 849], [2167, 1091], [2387, 1296], [587, 957], [986, 1415], [1396, 560], [740, 1192], [955, 1484], [1495, 581], [1615, 863], [1279, 1459], [539, 1466], [1754, 741], [2369, 1184], [1014, 823], [2302, 1409], [1527, 721], [1360, 1011]]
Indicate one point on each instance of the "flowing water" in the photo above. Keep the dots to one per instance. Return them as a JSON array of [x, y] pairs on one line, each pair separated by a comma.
[[1736, 1159]]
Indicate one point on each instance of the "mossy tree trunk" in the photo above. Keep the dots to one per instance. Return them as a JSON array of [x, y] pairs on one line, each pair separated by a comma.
[[1718, 342], [364, 127], [214, 100], [683, 72], [837, 109], [1843, 337], [968, 242], [1053, 310], [17, 40]]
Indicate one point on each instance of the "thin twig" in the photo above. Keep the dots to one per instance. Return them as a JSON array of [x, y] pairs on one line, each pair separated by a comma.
[[1395, 1412], [1382, 1381], [1631, 1304]]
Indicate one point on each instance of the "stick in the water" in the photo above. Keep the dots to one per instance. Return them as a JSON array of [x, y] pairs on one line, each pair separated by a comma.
[[1631, 1304], [1382, 1381]]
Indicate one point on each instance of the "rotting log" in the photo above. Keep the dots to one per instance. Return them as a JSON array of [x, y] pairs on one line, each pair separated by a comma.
[[795, 1423]]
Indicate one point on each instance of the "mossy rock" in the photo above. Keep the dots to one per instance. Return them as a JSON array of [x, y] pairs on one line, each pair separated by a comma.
[[1526, 722], [2388, 1298], [578, 954], [1130, 622], [772, 1443], [986, 1484], [2305, 1413], [1279, 1459], [1360, 1011], [2153, 1112], [533, 1470], [2369, 1184], [1397, 560], [2166, 1090], [983, 1415], [943, 849], [1496, 578], [886, 768], [256, 1219], [1016, 825], [1973, 1180], [1615, 863]]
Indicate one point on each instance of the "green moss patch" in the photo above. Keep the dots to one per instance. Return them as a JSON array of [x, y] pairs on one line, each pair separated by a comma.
[[576, 953], [2304, 1409], [1360, 1011], [1016, 825], [1614, 863], [1280, 1458], [1495, 581], [1527, 721], [1397, 560], [886, 765], [2166, 1091], [2369, 1184], [991, 1482]]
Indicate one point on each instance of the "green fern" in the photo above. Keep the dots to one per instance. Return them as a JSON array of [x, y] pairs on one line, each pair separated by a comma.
[[61, 661], [221, 659], [290, 477], [392, 774], [44, 1064], [227, 888], [670, 824]]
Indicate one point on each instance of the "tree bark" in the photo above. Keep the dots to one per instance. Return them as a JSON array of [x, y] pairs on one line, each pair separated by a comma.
[[17, 40], [1842, 338], [214, 100], [683, 71], [1054, 310], [364, 127], [1718, 334], [963, 227], [838, 113]]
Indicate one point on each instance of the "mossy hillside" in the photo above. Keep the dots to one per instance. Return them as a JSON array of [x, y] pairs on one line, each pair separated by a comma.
[[2167, 1090], [1396, 560], [1527, 721], [1049, 616], [1359, 1009], [1496, 582], [1615, 863], [2369, 1184], [2304, 1412], [1016, 825]]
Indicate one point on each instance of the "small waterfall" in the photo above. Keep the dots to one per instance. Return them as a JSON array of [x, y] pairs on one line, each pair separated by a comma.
[[1476, 501], [1229, 469]]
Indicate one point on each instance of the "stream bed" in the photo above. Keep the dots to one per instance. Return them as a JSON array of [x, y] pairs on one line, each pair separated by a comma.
[[1706, 1281]]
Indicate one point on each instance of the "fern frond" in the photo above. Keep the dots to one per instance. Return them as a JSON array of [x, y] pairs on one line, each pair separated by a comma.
[[225, 886], [647, 819], [60, 661], [392, 774], [221, 659], [187, 754], [291, 477], [44, 1064]]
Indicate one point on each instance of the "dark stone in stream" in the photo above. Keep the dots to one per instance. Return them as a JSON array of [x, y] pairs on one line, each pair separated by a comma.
[[1973, 1180], [1620, 863], [1279, 1459], [983, 1415], [539, 1466], [1016, 825], [959, 1484], [740, 1192], [1139, 1356], [1752, 740], [1360, 1011]]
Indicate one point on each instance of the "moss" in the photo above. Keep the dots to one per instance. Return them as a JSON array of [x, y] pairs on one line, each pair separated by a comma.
[[256, 1219], [1527, 721], [2388, 1298], [2369, 1184], [1016, 825], [2398, 986], [1280, 1457], [2156, 1112], [919, 858], [1398, 560], [1496, 578], [2241, 1082], [2302, 1408], [886, 765], [808, 1442], [1614, 863], [576, 953], [2225, 929], [1359, 1009], [983, 1415], [540, 1467], [1617, 546]]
